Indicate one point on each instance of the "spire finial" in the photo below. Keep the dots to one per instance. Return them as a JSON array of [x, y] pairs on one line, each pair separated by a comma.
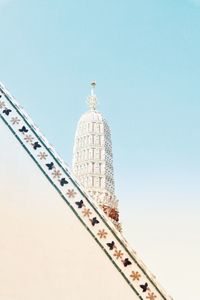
[[92, 99], [93, 84]]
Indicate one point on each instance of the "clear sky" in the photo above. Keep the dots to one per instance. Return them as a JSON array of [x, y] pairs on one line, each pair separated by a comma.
[[145, 57]]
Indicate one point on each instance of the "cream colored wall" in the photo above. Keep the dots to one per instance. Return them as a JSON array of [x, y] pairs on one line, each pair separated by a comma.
[[45, 252]]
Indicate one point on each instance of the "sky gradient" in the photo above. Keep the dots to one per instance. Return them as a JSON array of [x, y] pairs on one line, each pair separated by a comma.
[[145, 58]]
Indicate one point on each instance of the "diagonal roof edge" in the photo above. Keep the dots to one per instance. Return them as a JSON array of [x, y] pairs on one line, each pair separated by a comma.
[[9, 111]]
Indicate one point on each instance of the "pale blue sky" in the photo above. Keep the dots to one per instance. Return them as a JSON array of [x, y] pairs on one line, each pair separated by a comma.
[[145, 57]]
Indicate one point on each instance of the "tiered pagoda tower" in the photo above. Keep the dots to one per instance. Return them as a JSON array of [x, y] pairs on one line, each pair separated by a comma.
[[93, 159]]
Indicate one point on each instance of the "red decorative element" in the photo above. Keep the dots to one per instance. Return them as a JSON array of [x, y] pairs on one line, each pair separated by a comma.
[[111, 212]]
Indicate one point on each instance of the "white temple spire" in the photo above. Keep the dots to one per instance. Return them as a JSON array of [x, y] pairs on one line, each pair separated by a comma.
[[92, 99], [93, 160]]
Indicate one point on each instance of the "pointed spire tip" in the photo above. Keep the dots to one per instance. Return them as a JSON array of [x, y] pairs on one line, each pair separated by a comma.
[[92, 99], [93, 83]]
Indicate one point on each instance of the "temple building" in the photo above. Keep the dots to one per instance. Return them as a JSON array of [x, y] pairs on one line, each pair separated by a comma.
[[93, 158], [56, 241]]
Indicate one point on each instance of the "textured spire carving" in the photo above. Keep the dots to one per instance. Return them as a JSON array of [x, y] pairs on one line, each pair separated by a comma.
[[93, 159]]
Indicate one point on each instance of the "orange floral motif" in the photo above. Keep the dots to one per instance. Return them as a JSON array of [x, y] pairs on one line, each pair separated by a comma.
[[28, 138], [86, 212], [102, 234], [15, 120], [135, 275], [151, 296], [42, 155], [56, 173], [118, 254], [2, 104], [71, 193]]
